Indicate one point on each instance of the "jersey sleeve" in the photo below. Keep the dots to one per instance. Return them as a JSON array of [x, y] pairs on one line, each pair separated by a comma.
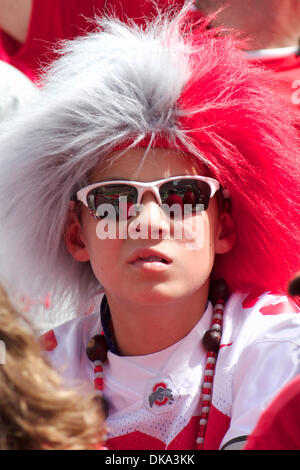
[[279, 426], [269, 360], [65, 348]]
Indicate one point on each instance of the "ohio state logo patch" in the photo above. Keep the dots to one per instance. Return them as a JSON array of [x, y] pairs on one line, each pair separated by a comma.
[[160, 395]]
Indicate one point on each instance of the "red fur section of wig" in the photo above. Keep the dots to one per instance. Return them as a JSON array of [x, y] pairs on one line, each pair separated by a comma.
[[247, 134]]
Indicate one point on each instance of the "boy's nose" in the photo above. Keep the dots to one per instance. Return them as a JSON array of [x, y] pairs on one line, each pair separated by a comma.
[[149, 197], [151, 219]]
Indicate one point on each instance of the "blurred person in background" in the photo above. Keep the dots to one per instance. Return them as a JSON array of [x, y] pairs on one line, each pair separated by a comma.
[[272, 28], [269, 24], [36, 411], [30, 28]]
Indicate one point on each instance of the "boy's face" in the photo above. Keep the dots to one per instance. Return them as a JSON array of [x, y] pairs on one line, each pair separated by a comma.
[[116, 262]]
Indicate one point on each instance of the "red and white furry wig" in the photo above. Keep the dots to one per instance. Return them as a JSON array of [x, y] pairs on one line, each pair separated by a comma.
[[186, 84]]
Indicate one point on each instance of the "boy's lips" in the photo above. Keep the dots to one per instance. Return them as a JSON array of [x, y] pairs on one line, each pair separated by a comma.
[[149, 259]]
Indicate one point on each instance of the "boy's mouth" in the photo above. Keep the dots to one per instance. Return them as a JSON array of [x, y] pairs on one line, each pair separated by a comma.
[[147, 257], [152, 259]]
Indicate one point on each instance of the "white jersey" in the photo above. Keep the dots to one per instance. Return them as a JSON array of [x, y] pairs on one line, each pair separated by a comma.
[[259, 353]]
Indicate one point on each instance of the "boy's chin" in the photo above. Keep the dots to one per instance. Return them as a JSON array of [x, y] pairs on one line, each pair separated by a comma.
[[155, 296]]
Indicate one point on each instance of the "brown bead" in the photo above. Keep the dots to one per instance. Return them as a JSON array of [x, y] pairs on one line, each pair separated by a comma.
[[218, 290], [211, 340], [97, 348]]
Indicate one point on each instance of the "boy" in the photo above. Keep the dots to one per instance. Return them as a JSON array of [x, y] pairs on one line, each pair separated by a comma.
[[132, 123]]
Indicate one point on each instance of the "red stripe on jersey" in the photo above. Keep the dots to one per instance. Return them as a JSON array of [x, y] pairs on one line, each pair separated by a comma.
[[218, 424], [135, 441], [278, 309], [185, 440], [251, 298], [48, 341], [224, 345]]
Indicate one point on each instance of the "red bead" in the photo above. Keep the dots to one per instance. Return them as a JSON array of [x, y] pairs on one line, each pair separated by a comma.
[[218, 311], [98, 383], [211, 354], [206, 403], [211, 341], [97, 349], [217, 321], [209, 378]]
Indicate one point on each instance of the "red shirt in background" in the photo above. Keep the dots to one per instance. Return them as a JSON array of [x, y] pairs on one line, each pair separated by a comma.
[[55, 20]]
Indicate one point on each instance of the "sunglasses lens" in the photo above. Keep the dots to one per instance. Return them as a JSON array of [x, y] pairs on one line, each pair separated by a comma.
[[112, 200], [190, 195]]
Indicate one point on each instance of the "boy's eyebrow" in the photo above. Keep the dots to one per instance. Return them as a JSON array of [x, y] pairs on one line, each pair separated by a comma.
[[118, 179], [111, 179]]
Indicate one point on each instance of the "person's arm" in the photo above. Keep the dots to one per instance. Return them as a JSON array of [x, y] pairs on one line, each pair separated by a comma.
[[15, 18]]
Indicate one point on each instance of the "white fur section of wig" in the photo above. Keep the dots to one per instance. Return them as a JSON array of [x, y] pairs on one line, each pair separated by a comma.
[[15, 90], [116, 84]]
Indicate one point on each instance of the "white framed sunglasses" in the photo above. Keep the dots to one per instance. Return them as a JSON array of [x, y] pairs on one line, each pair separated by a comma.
[[193, 190]]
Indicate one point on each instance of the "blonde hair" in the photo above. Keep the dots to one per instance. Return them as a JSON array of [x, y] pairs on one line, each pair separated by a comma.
[[36, 412]]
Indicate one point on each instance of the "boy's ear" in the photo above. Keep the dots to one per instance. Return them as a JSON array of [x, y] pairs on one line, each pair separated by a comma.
[[227, 234], [73, 237]]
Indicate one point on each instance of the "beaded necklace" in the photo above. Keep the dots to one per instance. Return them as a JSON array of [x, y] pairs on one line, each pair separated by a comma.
[[99, 345]]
